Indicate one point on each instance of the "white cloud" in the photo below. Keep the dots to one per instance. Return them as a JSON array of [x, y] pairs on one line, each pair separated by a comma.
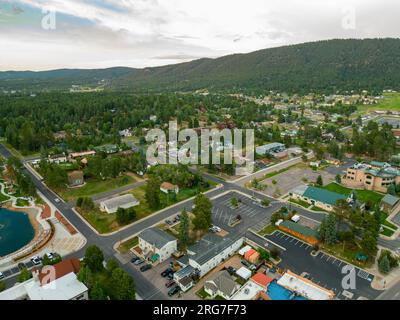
[[146, 32]]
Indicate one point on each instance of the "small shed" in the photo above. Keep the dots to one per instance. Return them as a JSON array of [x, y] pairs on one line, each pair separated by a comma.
[[244, 250], [389, 202], [244, 273]]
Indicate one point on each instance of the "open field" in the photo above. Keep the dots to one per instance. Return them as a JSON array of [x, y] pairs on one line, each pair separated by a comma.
[[390, 103], [363, 195], [93, 187]]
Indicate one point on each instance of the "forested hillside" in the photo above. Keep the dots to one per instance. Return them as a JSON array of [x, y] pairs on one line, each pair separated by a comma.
[[372, 64]]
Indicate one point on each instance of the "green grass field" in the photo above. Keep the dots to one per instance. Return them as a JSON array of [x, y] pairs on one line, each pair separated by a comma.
[[22, 203], [93, 187], [390, 103], [363, 195], [3, 197]]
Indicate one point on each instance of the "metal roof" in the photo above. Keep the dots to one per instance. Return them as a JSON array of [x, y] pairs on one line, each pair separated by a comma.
[[156, 237], [323, 195], [390, 200]]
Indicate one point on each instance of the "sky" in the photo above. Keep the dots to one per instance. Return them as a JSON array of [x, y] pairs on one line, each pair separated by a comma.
[[53, 34]]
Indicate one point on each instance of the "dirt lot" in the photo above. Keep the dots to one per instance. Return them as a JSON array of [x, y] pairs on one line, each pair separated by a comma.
[[292, 178]]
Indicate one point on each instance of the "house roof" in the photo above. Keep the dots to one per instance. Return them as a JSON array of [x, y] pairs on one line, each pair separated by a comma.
[[208, 247], [323, 195], [223, 282], [390, 200], [168, 186], [261, 279], [124, 200], [61, 269], [300, 229], [75, 175], [156, 237]]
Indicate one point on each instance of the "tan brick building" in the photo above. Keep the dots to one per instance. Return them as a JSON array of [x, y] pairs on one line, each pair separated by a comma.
[[376, 176]]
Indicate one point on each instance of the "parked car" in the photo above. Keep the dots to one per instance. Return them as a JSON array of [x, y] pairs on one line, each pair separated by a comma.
[[145, 267], [138, 262], [231, 270], [306, 275], [166, 272], [134, 259], [168, 222], [57, 200], [169, 284], [50, 255], [246, 264], [1, 275], [174, 291], [36, 260], [170, 276], [21, 266]]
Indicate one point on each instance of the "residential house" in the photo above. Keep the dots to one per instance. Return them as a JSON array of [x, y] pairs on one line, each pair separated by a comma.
[[221, 284], [156, 244], [125, 201], [167, 187], [75, 179], [389, 203], [57, 158]]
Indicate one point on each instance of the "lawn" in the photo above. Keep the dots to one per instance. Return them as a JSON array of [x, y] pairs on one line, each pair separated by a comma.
[[106, 223], [300, 203], [94, 186], [68, 166], [390, 103], [22, 203], [387, 232], [101, 221], [363, 195], [3, 197], [275, 173], [128, 244], [346, 254], [203, 294], [269, 229]]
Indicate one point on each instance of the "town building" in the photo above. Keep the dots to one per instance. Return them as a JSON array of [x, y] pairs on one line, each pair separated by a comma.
[[376, 176], [125, 201], [277, 150], [211, 250], [167, 188], [389, 203], [318, 197], [250, 291], [75, 179], [304, 287], [221, 284], [75, 155], [63, 285], [304, 233], [157, 245]]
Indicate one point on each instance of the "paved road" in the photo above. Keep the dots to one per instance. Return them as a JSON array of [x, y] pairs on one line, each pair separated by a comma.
[[393, 293], [145, 288], [325, 270]]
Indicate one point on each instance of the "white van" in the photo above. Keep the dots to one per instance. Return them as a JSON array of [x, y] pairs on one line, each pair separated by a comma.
[[295, 218]]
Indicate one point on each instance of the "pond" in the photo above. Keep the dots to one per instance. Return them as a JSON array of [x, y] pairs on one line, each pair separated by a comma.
[[16, 231]]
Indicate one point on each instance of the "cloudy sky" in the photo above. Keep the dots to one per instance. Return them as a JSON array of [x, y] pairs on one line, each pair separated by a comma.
[[49, 34]]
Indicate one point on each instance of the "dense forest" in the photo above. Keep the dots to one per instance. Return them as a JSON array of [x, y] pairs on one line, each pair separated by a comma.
[[91, 119], [324, 66]]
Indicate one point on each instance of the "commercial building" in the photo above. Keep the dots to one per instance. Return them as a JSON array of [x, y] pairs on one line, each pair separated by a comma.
[[60, 283], [376, 176], [211, 250], [318, 197], [305, 287], [157, 245], [277, 150], [125, 201], [304, 233]]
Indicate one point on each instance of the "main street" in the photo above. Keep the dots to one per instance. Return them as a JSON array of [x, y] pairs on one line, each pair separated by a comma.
[[144, 288]]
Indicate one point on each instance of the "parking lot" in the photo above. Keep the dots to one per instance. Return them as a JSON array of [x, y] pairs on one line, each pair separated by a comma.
[[294, 177], [154, 276], [325, 270], [253, 215]]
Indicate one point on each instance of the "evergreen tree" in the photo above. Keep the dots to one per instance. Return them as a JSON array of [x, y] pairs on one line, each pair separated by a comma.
[[184, 230]]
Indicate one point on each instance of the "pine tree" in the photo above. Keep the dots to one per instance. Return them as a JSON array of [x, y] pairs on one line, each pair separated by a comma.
[[184, 230]]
